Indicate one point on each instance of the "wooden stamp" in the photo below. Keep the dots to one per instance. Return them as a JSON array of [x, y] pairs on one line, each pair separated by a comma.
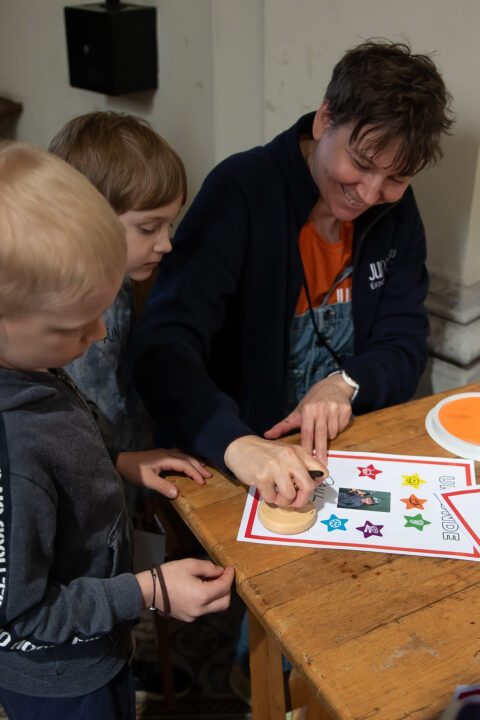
[[286, 521]]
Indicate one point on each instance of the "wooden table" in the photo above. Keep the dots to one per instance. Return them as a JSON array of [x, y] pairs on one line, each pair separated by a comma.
[[370, 635]]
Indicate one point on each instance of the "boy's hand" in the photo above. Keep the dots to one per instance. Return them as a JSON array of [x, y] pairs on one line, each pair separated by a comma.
[[279, 471], [195, 587], [144, 468]]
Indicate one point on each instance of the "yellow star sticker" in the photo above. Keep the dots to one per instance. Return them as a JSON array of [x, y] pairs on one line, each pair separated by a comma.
[[412, 480]]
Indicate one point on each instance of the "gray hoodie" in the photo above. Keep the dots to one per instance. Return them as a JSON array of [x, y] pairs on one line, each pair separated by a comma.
[[67, 593]]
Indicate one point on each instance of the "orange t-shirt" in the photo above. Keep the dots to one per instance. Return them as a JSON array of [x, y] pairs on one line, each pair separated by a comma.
[[323, 261]]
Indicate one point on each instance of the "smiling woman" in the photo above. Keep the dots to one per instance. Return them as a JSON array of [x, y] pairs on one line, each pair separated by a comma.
[[264, 319]]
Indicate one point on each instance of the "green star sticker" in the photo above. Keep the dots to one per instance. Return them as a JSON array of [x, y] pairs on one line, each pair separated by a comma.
[[416, 521]]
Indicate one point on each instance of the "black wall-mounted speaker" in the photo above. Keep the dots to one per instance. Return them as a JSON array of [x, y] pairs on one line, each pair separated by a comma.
[[112, 47]]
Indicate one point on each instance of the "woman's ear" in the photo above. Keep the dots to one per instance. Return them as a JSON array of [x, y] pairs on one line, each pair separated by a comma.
[[321, 121]]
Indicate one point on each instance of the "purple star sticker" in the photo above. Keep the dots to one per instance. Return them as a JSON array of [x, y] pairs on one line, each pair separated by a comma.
[[370, 529]]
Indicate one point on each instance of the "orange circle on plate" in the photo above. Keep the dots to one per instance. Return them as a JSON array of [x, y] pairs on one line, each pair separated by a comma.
[[462, 418]]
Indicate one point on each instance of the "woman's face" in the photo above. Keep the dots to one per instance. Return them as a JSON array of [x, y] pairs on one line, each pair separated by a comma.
[[350, 179]]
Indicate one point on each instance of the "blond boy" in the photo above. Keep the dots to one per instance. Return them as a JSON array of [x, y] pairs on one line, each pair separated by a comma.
[[68, 596]]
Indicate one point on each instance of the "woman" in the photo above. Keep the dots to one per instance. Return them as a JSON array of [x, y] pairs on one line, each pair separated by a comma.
[[294, 293]]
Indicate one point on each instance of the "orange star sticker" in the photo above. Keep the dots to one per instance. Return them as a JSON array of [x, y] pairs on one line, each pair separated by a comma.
[[413, 502]]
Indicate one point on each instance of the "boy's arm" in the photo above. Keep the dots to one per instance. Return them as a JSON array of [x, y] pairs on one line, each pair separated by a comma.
[[37, 608], [194, 587], [144, 469]]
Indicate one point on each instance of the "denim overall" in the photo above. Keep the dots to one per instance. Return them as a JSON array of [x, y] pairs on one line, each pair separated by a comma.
[[310, 361]]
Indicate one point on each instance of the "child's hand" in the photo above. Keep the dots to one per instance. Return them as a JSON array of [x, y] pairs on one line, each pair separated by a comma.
[[144, 468], [195, 587]]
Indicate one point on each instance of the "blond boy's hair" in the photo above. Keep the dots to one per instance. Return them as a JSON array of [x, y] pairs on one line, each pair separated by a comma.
[[126, 160], [59, 238]]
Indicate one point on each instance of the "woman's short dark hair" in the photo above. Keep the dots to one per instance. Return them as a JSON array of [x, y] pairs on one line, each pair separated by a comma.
[[391, 95]]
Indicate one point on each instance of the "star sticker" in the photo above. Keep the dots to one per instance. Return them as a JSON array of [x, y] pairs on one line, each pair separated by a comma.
[[416, 521], [370, 529], [335, 523], [412, 480], [413, 502], [368, 471]]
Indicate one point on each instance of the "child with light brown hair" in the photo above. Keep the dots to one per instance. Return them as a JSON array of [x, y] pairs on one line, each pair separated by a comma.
[[68, 596], [144, 181]]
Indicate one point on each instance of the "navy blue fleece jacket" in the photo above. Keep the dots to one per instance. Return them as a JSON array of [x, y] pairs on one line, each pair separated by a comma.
[[210, 354]]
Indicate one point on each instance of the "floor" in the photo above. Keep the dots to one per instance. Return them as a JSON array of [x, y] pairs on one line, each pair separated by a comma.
[[203, 650]]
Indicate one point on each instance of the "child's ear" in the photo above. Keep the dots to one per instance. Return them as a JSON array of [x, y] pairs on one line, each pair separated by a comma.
[[321, 121]]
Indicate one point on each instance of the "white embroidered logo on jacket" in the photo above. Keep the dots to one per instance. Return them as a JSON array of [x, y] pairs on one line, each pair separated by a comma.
[[379, 269]]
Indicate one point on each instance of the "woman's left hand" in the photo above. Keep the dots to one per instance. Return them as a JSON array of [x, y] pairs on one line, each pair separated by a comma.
[[321, 414]]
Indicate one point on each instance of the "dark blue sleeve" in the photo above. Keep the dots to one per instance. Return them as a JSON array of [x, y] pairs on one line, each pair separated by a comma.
[[393, 351], [185, 310]]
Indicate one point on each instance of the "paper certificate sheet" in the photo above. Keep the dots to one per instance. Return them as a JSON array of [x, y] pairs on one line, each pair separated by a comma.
[[387, 503]]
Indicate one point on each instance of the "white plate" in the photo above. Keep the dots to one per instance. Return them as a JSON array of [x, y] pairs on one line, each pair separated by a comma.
[[448, 441]]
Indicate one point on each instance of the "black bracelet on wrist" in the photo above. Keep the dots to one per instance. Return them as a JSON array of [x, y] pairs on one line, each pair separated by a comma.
[[156, 571], [154, 578]]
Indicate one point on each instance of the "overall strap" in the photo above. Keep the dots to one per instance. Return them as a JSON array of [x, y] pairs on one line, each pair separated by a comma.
[[321, 339], [340, 278]]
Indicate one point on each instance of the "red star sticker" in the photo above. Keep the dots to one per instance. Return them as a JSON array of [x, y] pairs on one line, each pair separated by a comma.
[[368, 471]]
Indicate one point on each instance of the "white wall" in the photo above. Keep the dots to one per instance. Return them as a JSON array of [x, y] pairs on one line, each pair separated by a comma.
[[34, 70], [235, 72], [238, 75]]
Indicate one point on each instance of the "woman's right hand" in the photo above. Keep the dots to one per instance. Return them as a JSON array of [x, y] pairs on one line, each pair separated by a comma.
[[279, 471]]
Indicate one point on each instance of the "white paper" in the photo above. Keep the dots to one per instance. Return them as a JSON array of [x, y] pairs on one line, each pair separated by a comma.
[[465, 506], [412, 516]]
